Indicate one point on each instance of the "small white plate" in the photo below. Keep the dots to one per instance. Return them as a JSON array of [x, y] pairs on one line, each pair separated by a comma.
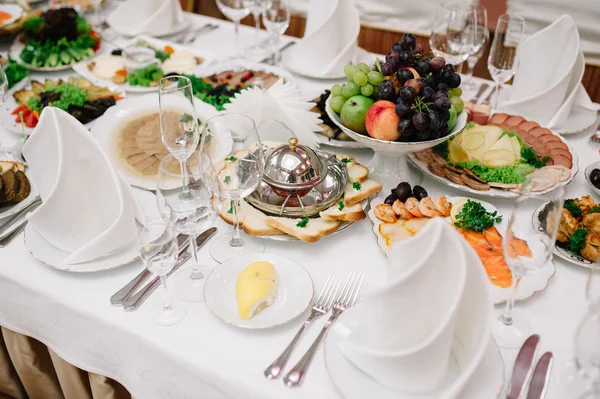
[[294, 294], [579, 120], [361, 55], [14, 10], [53, 257], [9, 210]]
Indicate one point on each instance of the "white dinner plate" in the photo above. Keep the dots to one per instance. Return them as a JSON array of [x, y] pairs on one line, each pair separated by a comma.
[[579, 120], [9, 210], [486, 382], [53, 257], [14, 10], [361, 55], [82, 67], [529, 285], [188, 20], [294, 293]]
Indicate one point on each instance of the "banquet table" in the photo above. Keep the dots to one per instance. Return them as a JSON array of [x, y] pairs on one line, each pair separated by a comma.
[[203, 357]]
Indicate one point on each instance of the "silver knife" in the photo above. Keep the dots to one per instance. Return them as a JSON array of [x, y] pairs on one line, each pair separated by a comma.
[[523, 367], [121, 296], [136, 300], [541, 377]]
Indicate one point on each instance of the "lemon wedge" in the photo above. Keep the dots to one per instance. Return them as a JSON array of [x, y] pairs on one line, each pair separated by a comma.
[[255, 289], [456, 208]]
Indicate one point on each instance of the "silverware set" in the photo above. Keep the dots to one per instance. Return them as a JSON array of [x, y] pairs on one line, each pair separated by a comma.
[[134, 293], [191, 35], [527, 379], [332, 299], [11, 221]]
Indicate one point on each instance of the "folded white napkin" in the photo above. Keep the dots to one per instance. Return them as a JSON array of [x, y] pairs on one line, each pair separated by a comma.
[[283, 102], [87, 209], [436, 295], [331, 39], [547, 82], [152, 17]]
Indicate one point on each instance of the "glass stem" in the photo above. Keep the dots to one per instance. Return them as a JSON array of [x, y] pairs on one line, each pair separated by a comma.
[[236, 239], [496, 95], [237, 38], [166, 303], [185, 189], [276, 52], [506, 316], [257, 26], [196, 274]]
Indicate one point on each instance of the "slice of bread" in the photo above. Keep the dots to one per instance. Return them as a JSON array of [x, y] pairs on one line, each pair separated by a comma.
[[358, 173], [345, 158], [252, 221], [367, 188], [351, 213], [312, 232]]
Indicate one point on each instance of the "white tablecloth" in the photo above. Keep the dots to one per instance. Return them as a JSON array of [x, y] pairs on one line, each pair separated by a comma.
[[202, 357]]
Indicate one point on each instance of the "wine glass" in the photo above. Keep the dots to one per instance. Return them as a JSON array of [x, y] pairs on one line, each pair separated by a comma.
[[276, 19], [235, 10], [3, 97], [239, 174], [256, 8], [503, 59], [482, 35], [453, 31], [527, 249], [178, 122], [190, 216], [158, 251]]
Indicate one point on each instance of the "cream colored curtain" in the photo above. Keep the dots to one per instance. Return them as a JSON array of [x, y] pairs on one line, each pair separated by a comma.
[[28, 369]]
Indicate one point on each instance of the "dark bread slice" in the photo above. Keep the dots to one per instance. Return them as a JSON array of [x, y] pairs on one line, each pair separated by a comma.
[[24, 187], [10, 185]]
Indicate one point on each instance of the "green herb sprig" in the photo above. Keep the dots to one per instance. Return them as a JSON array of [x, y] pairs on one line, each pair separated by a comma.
[[227, 179], [231, 158], [573, 208], [577, 241], [594, 210], [346, 160], [473, 216], [303, 222], [356, 185], [341, 206]]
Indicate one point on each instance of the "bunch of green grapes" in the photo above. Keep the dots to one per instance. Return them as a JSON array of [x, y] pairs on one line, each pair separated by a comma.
[[362, 80]]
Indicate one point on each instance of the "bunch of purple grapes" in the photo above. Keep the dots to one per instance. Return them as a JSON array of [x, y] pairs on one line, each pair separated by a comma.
[[418, 84]]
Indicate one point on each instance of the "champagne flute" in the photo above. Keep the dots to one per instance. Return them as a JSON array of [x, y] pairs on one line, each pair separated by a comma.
[[527, 249], [235, 10], [503, 59], [158, 251], [276, 19], [256, 8], [482, 35], [453, 31], [191, 216], [238, 177], [178, 122]]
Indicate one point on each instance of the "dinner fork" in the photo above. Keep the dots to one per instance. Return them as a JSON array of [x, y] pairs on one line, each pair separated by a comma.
[[321, 306], [345, 299], [596, 136]]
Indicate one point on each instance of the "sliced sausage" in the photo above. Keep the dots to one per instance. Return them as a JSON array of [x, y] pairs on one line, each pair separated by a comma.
[[549, 138], [539, 131], [550, 162], [557, 144], [562, 161], [560, 151], [469, 115], [480, 118], [527, 126], [498, 119], [513, 121]]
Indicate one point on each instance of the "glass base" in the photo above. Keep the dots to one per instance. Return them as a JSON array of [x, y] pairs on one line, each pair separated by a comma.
[[174, 315], [390, 170], [576, 384], [258, 51], [221, 251], [188, 285], [514, 335]]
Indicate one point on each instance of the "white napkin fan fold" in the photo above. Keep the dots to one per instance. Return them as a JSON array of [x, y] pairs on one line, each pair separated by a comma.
[[153, 17]]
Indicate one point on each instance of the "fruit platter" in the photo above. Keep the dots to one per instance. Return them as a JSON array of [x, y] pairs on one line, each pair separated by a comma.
[[331, 135], [495, 158], [55, 40], [405, 212], [408, 103], [139, 65]]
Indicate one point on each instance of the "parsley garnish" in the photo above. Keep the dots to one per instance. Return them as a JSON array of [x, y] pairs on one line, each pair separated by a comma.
[[227, 179], [230, 208], [532, 158], [303, 222], [341, 206], [473, 216], [442, 149], [231, 158], [356, 185], [185, 118], [594, 210], [577, 241], [573, 208], [346, 160], [470, 125]]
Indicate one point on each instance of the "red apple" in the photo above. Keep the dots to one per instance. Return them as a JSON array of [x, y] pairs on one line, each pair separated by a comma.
[[382, 121]]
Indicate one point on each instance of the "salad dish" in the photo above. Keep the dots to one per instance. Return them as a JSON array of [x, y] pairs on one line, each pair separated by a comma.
[[495, 158], [55, 40], [16, 74]]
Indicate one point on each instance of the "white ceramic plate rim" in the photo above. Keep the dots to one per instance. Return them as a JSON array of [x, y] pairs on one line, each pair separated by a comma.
[[241, 262], [579, 120], [588, 171], [11, 210], [14, 10], [176, 29], [338, 143]]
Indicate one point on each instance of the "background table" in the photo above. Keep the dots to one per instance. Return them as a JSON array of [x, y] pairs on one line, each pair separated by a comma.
[[203, 357]]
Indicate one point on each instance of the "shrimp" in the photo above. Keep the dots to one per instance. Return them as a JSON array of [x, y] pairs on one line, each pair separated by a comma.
[[412, 205], [400, 209], [385, 213], [427, 208], [442, 205]]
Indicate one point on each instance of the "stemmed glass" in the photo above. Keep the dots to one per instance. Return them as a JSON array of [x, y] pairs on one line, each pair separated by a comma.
[[527, 248], [239, 174], [276, 19], [158, 251], [3, 97], [482, 35], [256, 8], [503, 59], [178, 122], [235, 10], [191, 214], [453, 31]]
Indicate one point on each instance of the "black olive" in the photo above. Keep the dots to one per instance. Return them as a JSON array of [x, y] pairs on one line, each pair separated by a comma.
[[595, 177], [390, 199], [117, 52], [419, 192], [403, 191]]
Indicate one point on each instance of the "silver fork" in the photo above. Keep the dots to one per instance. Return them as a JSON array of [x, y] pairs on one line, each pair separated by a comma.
[[321, 306], [596, 136], [345, 299]]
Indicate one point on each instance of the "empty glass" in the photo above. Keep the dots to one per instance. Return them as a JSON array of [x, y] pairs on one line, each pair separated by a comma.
[[276, 19], [503, 59], [453, 31], [235, 10], [191, 214], [527, 249], [158, 251], [256, 8], [482, 35]]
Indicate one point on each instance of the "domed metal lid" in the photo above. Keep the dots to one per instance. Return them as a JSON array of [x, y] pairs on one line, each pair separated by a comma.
[[294, 167]]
